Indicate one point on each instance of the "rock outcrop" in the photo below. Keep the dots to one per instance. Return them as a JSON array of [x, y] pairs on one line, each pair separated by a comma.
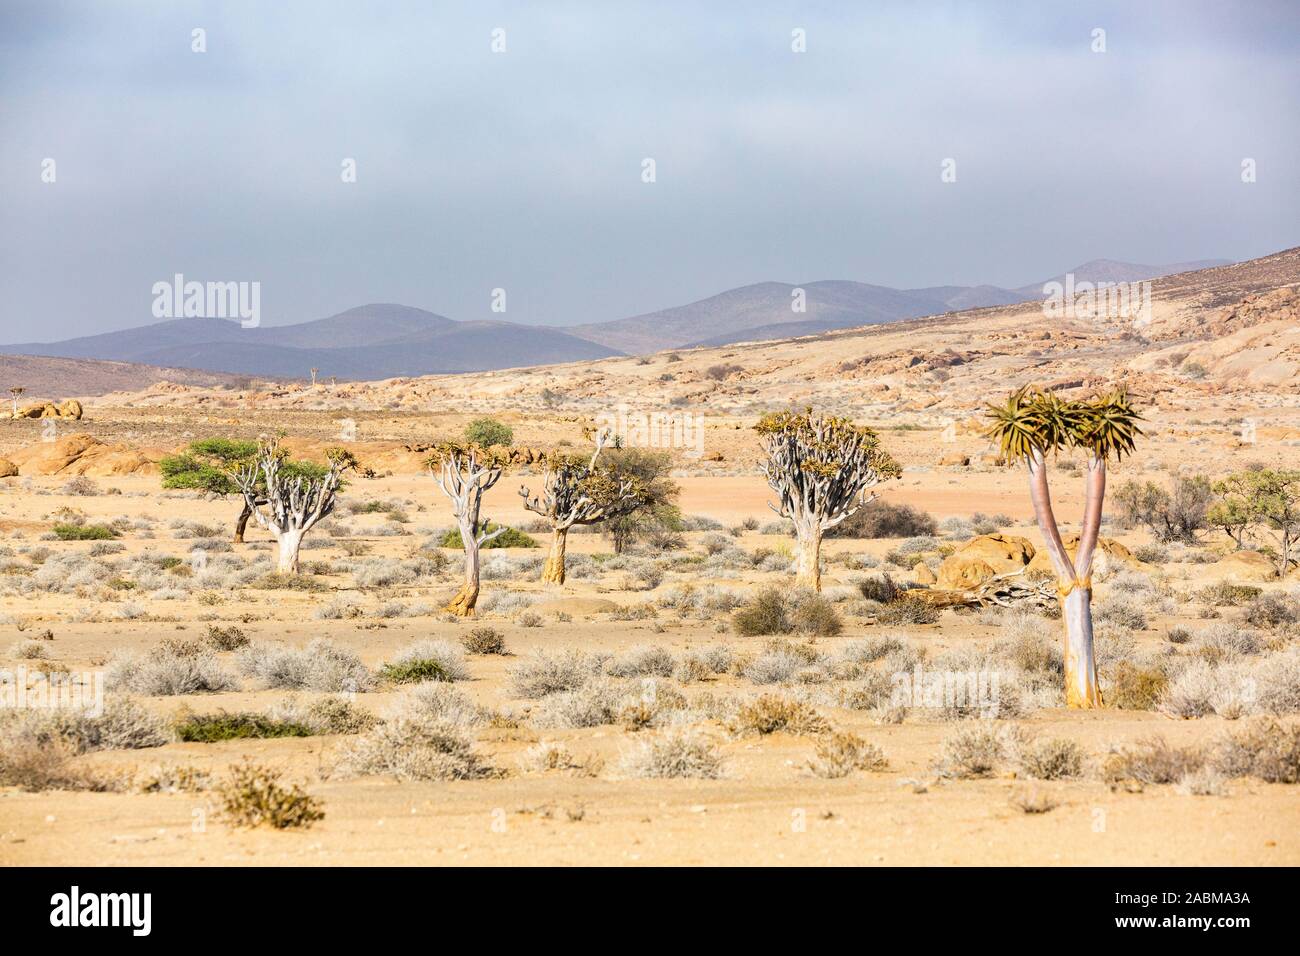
[[983, 557]]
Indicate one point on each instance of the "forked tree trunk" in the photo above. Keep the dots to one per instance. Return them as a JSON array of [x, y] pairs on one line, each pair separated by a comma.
[[808, 564], [553, 569], [1074, 586], [462, 605], [241, 525]]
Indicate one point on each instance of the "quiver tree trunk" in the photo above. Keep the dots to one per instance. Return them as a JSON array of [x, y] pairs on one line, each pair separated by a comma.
[[808, 565], [462, 605], [241, 524], [1081, 688], [1073, 578], [553, 569], [290, 544]]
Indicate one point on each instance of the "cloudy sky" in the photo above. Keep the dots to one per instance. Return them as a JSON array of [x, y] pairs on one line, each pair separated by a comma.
[[522, 170]]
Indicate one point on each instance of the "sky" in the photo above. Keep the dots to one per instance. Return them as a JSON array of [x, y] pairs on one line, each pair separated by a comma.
[[524, 169]]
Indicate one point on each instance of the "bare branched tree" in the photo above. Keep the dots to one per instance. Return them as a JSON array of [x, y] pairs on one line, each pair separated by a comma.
[[823, 469], [576, 491], [15, 393], [464, 473], [288, 503], [1032, 424]]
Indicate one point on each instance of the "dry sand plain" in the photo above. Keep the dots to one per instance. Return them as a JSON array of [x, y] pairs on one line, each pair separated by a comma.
[[766, 808]]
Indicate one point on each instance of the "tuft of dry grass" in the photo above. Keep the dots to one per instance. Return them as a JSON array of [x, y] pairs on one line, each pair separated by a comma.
[[771, 713], [680, 752], [252, 796], [840, 754]]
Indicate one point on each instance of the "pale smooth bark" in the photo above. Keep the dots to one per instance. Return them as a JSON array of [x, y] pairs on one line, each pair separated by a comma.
[[553, 569], [808, 566], [290, 544], [1074, 587]]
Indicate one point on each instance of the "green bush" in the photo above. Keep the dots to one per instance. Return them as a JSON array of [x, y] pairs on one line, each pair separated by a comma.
[[210, 728], [511, 538], [410, 672], [84, 532], [487, 432]]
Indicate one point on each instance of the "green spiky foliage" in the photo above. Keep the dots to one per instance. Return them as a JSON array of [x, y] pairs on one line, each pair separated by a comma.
[[1033, 423]]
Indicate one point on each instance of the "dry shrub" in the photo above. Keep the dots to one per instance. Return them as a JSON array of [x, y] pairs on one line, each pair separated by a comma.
[[1265, 748], [814, 614], [770, 713], [175, 778], [767, 613], [841, 754], [252, 796], [172, 668], [1136, 688], [35, 767], [908, 610], [546, 673], [320, 666], [484, 640], [643, 661], [592, 704], [411, 746], [1056, 758], [123, 725], [225, 638], [1150, 760], [978, 751], [680, 752]]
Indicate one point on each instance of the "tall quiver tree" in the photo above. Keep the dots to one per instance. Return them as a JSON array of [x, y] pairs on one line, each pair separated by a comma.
[[1032, 424], [464, 472], [823, 469], [286, 502], [576, 490]]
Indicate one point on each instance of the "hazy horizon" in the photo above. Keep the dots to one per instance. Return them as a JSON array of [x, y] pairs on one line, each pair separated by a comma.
[[522, 170]]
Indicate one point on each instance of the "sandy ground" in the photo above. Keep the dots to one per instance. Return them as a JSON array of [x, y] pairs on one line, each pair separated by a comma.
[[768, 808]]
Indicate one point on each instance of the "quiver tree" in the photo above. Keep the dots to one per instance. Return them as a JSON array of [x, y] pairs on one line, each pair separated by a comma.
[[210, 464], [1028, 427], [823, 469], [16, 392], [464, 473], [1265, 502], [576, 491], [286, 502]]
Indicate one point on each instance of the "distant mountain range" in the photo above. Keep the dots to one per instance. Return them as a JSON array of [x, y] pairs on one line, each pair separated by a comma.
[[387, 341]]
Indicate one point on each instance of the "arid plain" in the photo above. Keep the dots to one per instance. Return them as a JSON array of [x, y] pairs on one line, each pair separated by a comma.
[[637, 653]]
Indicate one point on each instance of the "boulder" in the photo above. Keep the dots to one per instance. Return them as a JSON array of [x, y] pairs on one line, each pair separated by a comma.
[[7, 468], [923, 575], [83, 454], [1108, 550], [1242, 567], [982, 557], [961, 460]]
